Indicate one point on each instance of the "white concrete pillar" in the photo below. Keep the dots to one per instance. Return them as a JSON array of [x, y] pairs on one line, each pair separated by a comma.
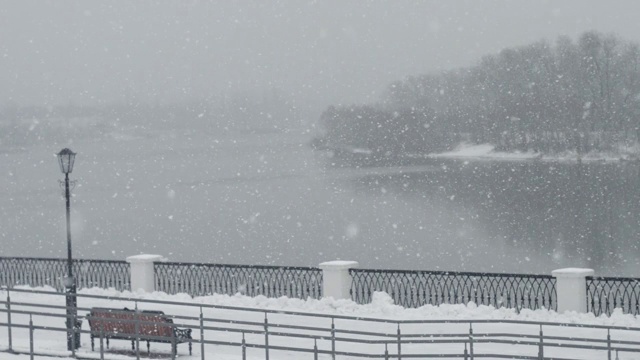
[[336, 281], [142, 273], [571, 288]]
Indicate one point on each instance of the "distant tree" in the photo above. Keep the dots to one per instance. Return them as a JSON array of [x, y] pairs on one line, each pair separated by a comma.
[[579, 95]]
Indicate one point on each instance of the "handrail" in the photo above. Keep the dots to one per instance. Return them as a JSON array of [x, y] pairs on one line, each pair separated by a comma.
[[612, 278], [444, 272], [59, 259], [237, 266]]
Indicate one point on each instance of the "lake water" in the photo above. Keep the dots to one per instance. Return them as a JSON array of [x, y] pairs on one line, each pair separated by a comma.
[[267, 198]]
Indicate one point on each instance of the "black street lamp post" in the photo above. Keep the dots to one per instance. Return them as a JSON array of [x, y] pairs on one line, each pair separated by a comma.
[[66, 158]]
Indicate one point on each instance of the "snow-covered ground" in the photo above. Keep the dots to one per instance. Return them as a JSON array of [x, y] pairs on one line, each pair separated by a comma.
[[368, 317], [488, 152]]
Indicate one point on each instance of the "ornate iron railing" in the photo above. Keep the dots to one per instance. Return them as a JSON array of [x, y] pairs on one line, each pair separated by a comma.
[[51, 272], [271, 281], [604, 294], [417, 288]]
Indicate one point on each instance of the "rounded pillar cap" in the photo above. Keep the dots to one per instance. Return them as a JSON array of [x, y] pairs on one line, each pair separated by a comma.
[[145, 258], [572, 272], [338, 265]]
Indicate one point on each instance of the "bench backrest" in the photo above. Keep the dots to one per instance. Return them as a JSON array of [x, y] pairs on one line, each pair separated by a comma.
[[119, 321]]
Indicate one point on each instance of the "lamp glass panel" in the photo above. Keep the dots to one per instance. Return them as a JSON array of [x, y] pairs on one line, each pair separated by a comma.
[[66, 158]]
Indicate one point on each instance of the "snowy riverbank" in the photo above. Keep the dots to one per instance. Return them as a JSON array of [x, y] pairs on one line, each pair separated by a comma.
[[488, 152]]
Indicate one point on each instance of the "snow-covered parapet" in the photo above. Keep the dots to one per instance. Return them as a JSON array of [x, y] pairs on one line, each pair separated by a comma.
[[571, 288], [142, 273], [336, 281]]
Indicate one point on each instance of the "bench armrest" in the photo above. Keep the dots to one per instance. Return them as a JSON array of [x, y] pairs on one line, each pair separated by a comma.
[[183, 334]]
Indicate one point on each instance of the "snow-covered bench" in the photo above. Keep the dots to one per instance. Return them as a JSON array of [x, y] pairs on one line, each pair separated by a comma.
[[151, 326]]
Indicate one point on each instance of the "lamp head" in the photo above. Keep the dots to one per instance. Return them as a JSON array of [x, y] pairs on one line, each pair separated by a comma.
[[66, 157]]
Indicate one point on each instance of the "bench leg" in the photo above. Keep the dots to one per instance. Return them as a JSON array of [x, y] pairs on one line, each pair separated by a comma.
[[148, 348], [92, 345], [133, 345], [107, 343], [189, 347]]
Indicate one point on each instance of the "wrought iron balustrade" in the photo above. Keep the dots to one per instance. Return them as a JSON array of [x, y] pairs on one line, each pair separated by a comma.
[[271, 281], [604, 294], [407, 288], [51, 272], [418, 288]]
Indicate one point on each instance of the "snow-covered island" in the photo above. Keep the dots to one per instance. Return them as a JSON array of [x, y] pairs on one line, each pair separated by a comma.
[[489, 152]]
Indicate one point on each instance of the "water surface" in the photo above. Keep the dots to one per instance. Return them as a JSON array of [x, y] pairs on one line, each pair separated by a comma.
[[268, 198]]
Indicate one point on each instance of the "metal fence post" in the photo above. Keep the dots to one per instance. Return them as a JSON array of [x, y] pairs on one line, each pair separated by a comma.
[[9, 321], [466, 353], [333, 339], [471, 340], [30, 337], [244, 347], [541, 345], [315, 349], [266, 337], [609, 344], [399, 343], [201, 334], [136, 323]]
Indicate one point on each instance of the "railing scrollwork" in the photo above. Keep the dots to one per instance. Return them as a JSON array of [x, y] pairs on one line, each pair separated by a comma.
[[604, 294], [51, 272], [250, 280], [418, 288]]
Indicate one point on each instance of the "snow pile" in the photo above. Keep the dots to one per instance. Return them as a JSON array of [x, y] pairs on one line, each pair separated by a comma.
[[382, 306]]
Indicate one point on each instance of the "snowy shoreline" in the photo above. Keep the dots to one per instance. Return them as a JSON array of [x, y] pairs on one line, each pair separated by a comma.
[[487, 152]]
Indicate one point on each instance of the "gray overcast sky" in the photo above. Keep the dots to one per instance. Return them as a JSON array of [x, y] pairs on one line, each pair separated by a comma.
[[319, 52]]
